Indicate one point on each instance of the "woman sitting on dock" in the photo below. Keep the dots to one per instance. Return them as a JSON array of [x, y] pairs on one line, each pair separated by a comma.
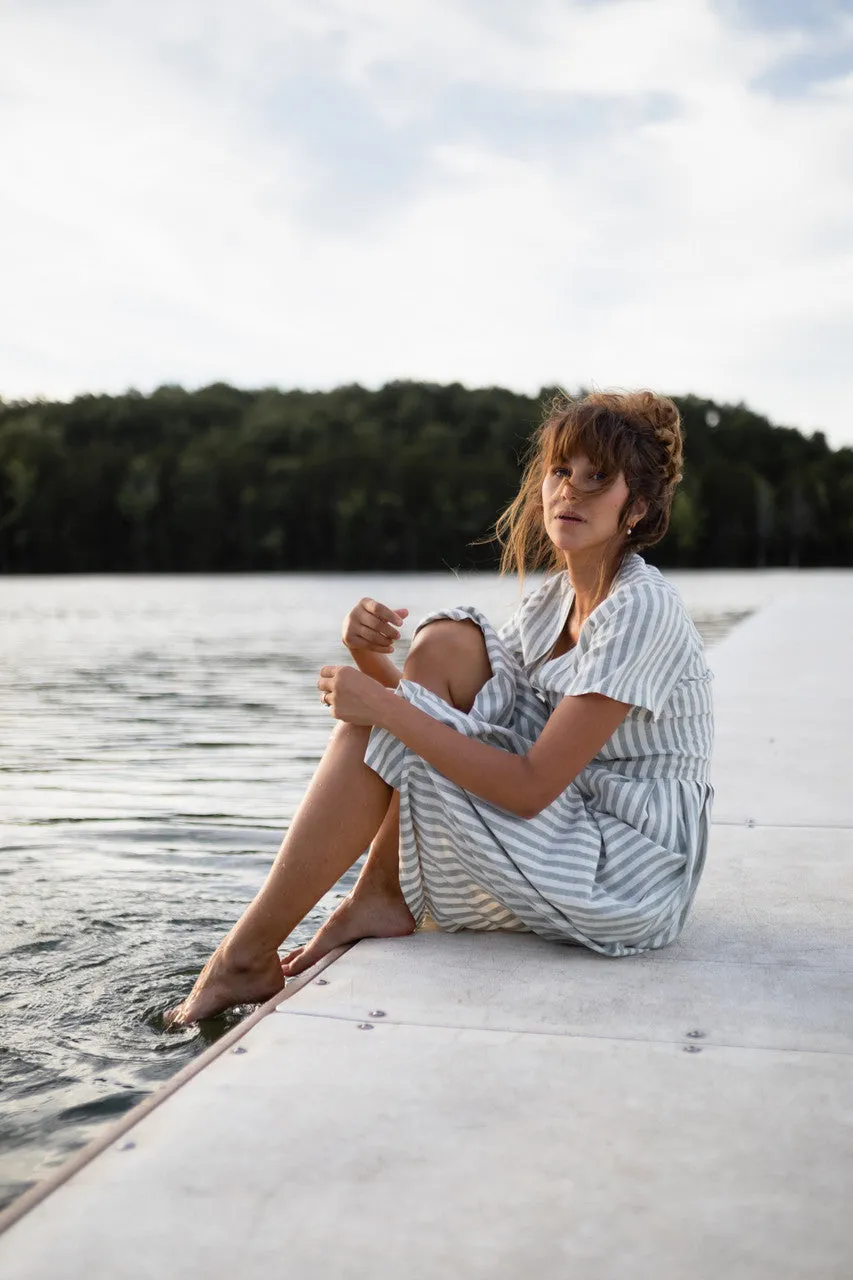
[[551, 777]]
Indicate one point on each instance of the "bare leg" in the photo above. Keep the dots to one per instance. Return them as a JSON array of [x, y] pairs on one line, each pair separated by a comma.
[[450, 659], [374, 909], [341, 812]]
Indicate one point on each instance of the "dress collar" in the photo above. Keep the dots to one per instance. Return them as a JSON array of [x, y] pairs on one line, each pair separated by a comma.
[[542, 624]]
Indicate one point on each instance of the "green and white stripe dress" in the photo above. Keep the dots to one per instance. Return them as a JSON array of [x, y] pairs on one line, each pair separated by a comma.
[[613, 863]]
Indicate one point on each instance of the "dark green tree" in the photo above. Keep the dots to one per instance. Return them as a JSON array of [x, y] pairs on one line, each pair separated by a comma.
[[410, 476]]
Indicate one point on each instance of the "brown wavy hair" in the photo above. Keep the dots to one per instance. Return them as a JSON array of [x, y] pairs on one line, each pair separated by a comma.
[[635, 432]]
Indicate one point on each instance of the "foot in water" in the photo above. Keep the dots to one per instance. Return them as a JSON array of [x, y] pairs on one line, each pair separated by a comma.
[[361, 915], [225, 981]]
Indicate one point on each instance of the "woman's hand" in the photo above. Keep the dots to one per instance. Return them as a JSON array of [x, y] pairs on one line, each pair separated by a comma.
[[372, 626], [352, 696]]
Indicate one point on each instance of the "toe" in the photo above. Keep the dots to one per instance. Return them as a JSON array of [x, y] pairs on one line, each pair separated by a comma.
[[174, 1017], [301, 960]]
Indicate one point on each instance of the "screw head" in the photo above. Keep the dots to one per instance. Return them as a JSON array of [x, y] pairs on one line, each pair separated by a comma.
[[321, 982], [695, 1035], [365, 1026], [377, 1013], [127, 1146], [239, 1049], [691, 1048]]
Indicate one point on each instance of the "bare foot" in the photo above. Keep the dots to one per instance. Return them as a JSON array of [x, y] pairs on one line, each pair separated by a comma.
[[225, 981], [364, 914]]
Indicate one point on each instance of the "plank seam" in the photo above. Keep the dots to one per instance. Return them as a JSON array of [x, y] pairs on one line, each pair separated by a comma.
[[707, 1043]]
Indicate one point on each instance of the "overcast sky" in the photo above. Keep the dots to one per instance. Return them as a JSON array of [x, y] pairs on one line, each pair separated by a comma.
[[516, 192]]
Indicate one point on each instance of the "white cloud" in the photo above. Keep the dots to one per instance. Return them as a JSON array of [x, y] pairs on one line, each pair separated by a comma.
[[651, 217]]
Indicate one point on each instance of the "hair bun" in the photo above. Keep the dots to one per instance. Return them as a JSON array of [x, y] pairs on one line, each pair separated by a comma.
[[660, 415]]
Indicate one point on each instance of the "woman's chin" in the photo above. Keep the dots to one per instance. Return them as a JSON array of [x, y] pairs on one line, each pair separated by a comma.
[[578, 540], [569, 537]]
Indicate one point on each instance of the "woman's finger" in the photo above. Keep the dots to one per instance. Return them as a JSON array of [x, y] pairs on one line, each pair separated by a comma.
[[378, 635], [384, 613], [356, 638], [374, 630]]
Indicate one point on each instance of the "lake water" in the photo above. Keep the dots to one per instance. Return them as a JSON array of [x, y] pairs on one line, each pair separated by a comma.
[[156, 735]]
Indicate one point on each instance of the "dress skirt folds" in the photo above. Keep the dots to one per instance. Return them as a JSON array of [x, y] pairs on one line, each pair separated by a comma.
[[613, 863]]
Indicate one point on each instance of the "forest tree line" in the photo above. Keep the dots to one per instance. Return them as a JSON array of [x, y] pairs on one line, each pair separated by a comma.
[[404, 478]]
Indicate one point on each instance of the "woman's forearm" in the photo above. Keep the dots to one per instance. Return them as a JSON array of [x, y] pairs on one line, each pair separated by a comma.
[[378, 666], [495, 775]]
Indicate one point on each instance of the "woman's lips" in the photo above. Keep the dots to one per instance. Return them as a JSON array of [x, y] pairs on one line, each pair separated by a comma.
[[573, 519]]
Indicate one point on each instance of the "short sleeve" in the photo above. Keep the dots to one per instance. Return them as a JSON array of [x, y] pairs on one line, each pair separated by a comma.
[[635, 650]]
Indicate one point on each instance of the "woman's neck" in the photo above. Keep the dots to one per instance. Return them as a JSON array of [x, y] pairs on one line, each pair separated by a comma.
[[588, 584]]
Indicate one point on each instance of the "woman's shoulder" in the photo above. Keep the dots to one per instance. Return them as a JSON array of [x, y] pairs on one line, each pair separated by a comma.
[[637, 574], [642, 598], [639, 582]]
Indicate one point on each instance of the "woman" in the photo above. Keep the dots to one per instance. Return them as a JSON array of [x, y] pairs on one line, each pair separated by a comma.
[[552, 777]]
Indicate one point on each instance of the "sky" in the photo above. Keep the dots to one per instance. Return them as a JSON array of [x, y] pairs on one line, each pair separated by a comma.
[[306, 193]]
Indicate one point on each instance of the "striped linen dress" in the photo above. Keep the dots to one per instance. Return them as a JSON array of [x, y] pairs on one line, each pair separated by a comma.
[[613, 863]]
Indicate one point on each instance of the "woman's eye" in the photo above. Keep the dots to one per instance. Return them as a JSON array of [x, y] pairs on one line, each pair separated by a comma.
[[597, 476]]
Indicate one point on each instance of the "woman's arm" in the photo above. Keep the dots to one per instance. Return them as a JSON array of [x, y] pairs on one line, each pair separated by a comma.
[[378, 667], [369, 632], [574, 734]]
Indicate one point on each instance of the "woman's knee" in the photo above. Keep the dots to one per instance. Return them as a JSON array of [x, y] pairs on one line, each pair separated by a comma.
[[446, 641], [350, 736], [453, 654]]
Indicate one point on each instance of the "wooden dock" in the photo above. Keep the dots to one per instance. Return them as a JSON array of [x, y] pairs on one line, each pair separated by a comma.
[[487, 1105]]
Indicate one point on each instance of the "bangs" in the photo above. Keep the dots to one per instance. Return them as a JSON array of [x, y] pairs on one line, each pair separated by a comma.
[[598, 434]]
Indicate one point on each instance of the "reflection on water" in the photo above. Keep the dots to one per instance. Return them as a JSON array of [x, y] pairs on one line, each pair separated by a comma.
[[157, 734]]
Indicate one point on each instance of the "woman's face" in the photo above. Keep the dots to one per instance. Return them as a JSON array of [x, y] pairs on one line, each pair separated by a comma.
[[583, 521]]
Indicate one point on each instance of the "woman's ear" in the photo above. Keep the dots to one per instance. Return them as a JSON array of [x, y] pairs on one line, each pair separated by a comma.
[[639, 510]]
